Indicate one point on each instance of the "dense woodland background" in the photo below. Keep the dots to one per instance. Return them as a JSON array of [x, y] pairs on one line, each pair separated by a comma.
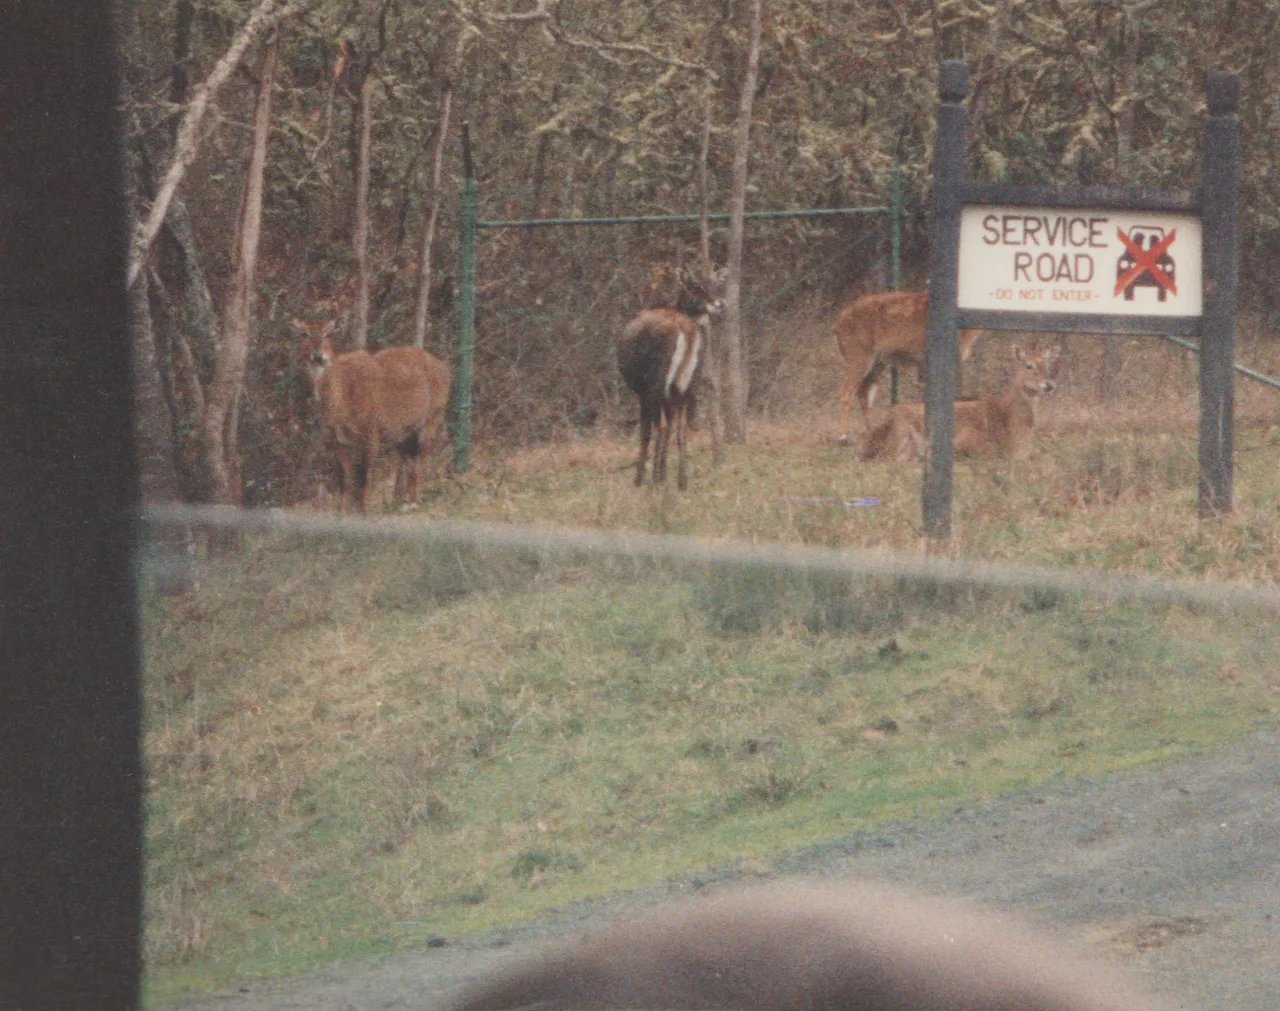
[[597, 107]]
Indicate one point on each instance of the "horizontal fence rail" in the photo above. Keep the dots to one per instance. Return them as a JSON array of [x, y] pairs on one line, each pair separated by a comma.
[[1244, 370], [693, 551], [651, 219]]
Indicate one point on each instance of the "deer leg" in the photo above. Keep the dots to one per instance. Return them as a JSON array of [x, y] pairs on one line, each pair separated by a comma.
[[414, 464], [347, 462], [859, 359], [431, 442], [867, 386], [397, 490], [410, 458], [846, 406], [660, 443], [646, 429], [682, 424], [912, 446], [364, 471]]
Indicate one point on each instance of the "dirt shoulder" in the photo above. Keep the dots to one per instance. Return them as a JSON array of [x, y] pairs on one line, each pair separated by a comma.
[[1172, 870]]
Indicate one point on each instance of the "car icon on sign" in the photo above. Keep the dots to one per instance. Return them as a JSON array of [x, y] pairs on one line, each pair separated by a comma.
[[1145, 237]]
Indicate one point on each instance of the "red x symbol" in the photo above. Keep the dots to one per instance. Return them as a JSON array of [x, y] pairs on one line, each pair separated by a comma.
[[1145, 262]]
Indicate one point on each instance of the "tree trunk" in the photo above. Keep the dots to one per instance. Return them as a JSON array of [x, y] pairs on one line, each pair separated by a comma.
[[360, 228], [989, 68], [423, 307], [156, 456], [217, 432], [166, 384], [735, 365], [1130, 50], [153, 420], [180, 383], [712, 354]]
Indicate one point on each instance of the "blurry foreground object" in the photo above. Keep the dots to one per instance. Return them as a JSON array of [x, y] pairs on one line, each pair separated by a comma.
[[837, 946]]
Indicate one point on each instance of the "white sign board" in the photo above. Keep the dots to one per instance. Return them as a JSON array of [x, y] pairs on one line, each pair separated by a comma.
[[1053, 259]]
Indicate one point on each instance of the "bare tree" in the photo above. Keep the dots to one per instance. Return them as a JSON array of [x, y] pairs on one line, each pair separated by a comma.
[[360, 218], [423, 304], [989, 67], [735, 366], [1130, 50], [265, 17], [364, 155], [218, 431]]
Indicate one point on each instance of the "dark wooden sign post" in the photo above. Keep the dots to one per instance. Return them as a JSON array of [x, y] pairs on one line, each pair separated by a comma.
[[1053, 266]]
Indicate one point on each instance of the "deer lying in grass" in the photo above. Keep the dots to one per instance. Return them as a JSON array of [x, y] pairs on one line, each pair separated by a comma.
[[878, 330], [660, 356], [838, 947], [396, 396], [1000, 427]]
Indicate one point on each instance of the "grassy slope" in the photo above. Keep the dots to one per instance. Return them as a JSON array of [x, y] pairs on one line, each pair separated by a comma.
[[354, 747]]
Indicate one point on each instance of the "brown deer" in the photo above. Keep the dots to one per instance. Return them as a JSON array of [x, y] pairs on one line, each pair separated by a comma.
[[839, 947], [1000, 427], [878, 330], [396, 396], [660, 356]]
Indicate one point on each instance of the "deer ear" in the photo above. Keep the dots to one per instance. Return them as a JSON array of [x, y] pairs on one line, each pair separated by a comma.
[[1018, 353]]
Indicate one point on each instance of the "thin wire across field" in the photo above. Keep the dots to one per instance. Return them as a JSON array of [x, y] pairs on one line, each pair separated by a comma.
[[798, 559]]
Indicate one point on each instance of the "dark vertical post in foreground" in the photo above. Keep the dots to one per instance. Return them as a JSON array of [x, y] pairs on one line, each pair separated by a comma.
[[464, 352], [70, 777], [1221, 267], [941, 357]]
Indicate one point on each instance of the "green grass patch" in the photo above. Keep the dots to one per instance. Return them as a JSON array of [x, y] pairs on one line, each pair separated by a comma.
[[352, 747]]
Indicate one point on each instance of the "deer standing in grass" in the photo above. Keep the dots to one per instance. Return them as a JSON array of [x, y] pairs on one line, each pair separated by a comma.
[[1000, 427], [836, 947], [660, 356], [878, 330], [396, 396]]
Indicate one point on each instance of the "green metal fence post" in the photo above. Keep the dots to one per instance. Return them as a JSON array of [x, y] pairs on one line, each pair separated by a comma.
[[895, 212], [464, 351]]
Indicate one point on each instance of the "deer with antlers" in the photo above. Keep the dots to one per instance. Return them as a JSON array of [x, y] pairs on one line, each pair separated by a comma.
[[660, 356], [1000, 427], [878, 330], [838, 946], [396, 396]]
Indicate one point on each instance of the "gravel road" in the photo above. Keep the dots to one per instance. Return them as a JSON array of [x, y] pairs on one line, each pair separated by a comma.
[[1173, 871]]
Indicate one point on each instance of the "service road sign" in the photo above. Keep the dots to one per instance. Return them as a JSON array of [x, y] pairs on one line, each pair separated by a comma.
[[1079, 260]]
